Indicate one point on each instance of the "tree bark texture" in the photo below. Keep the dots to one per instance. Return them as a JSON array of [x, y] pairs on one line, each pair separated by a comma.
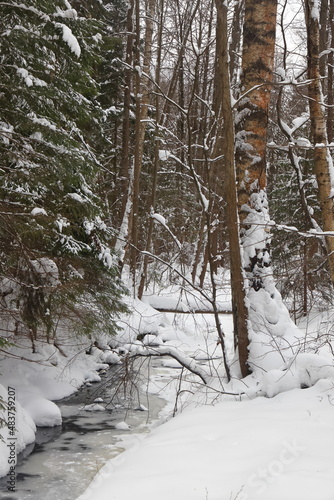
[[251, 134], [330, 91], [240, 314], [142, 103], [323, 165]]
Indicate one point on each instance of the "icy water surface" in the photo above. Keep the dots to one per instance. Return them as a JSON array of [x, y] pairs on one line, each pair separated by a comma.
[[63, 460]]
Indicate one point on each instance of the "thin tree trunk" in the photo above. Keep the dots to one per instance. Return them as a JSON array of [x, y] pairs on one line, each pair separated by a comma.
[[143, 277], [323, 43], [323, 164], [236, 42], [125, 187], [175, 76], [142, 104], [137, 152], [240, 314], [330, 91], [199, 249]]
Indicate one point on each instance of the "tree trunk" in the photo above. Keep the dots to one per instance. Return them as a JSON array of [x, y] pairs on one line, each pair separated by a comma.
[[251, 136], [240, 314], [323, 165], [330, 91], [236, 42], [271, 332], [323, 43], [125, 187], [143, 277], [142, 103]]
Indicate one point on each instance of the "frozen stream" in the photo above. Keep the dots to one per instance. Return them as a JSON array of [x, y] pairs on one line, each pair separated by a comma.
[[63, 460]]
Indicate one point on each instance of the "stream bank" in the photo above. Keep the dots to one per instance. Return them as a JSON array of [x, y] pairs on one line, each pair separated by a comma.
[[95, 424]]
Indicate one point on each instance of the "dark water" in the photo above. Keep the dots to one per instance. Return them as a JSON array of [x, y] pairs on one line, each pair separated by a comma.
[[63, 460]]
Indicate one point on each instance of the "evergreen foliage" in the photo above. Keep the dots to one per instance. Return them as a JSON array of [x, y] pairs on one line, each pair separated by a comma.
[[54, 243]]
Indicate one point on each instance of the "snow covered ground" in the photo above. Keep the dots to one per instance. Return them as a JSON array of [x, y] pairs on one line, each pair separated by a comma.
[[279, 448], [30, 382], [268, 436], [272, 440]]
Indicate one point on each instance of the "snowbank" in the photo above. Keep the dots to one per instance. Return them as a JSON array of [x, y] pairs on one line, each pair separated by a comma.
[[50, 373], [144, 320], [18, 435], [273, 440], [38, 378], [279, 448]]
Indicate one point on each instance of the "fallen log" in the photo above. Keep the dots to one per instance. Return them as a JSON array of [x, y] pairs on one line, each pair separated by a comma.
[[192, 311]]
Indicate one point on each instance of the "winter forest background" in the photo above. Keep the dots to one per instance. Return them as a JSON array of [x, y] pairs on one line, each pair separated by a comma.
[[149, 144]]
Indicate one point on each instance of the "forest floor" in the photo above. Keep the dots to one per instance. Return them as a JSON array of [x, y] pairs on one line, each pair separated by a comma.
[[272, 440], [268, 438]]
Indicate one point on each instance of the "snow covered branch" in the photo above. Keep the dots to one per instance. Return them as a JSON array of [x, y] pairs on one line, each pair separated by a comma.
[[308, 234], [159, 218], [184, 361]]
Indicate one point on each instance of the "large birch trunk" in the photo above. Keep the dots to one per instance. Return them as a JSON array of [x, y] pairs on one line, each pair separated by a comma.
[[251, 134], [271, 332]]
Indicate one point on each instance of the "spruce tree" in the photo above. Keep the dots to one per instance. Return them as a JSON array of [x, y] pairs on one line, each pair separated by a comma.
[[56, 263]]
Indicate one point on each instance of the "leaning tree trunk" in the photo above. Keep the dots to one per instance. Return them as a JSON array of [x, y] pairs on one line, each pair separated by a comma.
[[323, 164]]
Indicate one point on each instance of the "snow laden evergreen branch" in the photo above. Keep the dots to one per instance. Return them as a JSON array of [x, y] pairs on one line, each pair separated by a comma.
[[32, 9]]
